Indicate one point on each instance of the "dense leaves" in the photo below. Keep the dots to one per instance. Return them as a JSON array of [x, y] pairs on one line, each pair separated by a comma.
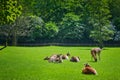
[[71, 27], [100, 15], [80, 20], [10, 9], [50, 29]]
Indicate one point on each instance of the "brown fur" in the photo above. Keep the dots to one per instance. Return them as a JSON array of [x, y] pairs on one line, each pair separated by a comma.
[[66, 56], [95, 52], [75, 59], [54, 58], [89, 70]]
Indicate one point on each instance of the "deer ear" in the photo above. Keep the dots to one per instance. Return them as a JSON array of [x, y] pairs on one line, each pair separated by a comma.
[[86, 64], [47, 57]]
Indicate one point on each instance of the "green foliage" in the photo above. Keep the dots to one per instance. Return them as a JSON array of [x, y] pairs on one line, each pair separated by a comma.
[[116, 22], [50, 29], [114, 8], [10, 11], [35, 27], [30, 26], [115, 12], [105, 34], [117, 36], [36, 32], [68, 19], [52, 10], [71, 27], [99, 18]]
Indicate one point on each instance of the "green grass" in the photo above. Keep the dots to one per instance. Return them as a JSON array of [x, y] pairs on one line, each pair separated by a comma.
[[26, 63]]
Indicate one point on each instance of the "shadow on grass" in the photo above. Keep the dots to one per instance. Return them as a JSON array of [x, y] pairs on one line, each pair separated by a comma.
[[92, 61], [3, 47], [105, 49]]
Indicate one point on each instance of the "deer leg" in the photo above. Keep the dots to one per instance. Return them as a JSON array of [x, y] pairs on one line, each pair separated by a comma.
[[95, 57], [99, 55]]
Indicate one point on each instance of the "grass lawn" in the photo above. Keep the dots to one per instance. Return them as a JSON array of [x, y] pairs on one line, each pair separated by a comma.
[[26, 63]]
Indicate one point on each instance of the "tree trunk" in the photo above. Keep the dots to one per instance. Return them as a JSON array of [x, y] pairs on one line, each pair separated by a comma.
[[101, 45], [14, 42], [6, 42]]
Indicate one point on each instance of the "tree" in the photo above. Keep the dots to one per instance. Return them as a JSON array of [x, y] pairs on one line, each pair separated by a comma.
[[9, 12], [50, 30], [99, 18], [36, 27], [115, 11], [114, 8], [31, 27], [71, 27]]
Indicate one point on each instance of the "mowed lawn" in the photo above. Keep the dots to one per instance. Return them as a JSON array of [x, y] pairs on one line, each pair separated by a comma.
[[26, 63]]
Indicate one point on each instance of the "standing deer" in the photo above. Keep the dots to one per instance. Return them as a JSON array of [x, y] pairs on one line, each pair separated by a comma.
[[95, 52]]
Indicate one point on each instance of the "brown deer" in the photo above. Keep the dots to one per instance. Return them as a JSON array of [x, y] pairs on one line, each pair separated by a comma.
[[89, 70], [75, 59], [95, 52], [66, 56], [54, 58]]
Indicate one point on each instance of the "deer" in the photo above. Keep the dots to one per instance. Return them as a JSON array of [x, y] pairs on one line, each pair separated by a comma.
[[54, 58], [89, 70], [95, 52], [66, 56], [75, 59]]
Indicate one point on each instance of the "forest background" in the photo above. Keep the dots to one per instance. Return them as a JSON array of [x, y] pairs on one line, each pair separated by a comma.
[[59, 21]]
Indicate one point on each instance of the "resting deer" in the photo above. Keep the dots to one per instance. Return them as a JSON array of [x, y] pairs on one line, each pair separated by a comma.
[[89, 70], [95, 52], [65, 56], [75, 59], [54, 58]]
